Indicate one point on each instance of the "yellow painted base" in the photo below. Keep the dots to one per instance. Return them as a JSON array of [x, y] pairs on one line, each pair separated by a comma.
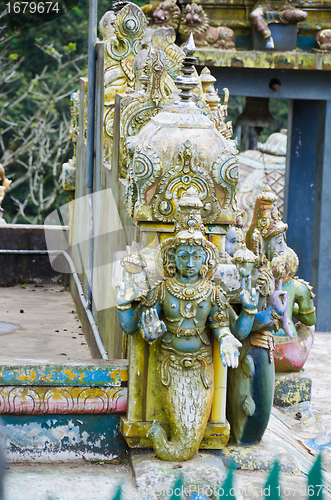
[[216, 435]]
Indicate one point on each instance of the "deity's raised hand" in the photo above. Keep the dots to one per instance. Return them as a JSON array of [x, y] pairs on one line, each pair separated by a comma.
[[249, 299], [126, 292], [279, 302], [151, 327], [229, 351]]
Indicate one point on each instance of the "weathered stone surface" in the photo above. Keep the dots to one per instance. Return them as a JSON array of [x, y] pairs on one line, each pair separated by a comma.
[[87, 481], [64, 438], [291, 389], [157, 477], [96, 373], [263, 60]]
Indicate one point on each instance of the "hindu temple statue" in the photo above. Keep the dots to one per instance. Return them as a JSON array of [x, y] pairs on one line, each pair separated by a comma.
[[185, 311], [181, 171], [266, 237], [250, 387]]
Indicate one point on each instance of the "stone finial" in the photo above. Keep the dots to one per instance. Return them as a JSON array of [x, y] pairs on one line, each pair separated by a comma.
[[188, 80]]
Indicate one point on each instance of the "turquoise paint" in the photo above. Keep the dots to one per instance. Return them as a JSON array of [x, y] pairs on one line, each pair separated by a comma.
[[306, 43], [58, 375], [243, 42]]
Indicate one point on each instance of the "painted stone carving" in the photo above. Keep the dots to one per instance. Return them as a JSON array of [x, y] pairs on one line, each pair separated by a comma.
[[182, 172], [195, 21], [106, 26], [178, 311], [266, 237], [129, 25], [172, 153], [271, 11], [69, 168], [218, 111], [163, 14], [250, 387], [155, 68], [323, 40]]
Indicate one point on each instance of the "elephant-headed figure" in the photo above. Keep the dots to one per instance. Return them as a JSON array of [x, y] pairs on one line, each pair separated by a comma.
[[185, 311]]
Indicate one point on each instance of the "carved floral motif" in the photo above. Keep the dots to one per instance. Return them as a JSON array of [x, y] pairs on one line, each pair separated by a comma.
[[62, 400]]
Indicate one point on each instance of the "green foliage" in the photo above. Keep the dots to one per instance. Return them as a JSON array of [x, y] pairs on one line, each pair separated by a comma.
[[45, 63]]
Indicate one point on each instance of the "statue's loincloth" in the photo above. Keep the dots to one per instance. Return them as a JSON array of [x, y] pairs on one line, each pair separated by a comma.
[[171, 360]]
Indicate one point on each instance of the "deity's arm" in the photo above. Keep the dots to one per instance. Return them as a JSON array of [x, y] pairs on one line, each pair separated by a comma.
[[266, 320], [241, 325], [130, 318], [304, 309], [263, 320], [219, 324]]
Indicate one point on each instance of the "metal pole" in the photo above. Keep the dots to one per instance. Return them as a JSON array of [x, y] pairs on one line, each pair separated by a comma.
[[93, 14]]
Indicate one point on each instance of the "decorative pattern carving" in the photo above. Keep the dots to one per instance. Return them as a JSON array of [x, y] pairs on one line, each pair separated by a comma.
[[129, 26], [226, 174], [165, 38], [62, 400], [178, 180], [195, 21], [146, 169], [218, 111], [158, 65]]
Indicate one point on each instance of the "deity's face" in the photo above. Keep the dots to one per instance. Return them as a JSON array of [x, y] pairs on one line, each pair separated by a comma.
[[275, 246], [231, 241], [189, 260]]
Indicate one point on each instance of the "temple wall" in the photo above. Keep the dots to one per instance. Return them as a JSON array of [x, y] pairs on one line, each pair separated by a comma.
[[113, 229]]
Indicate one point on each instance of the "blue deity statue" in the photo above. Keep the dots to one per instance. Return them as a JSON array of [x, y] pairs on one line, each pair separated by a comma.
[[185, 311]]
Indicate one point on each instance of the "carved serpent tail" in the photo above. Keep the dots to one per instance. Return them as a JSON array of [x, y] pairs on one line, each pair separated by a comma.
[[186, 384]]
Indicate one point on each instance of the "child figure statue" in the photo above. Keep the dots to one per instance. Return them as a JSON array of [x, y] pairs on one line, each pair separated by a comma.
[[185, 310]]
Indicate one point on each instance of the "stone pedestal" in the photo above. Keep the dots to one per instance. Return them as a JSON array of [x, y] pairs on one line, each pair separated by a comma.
[[204, 474]]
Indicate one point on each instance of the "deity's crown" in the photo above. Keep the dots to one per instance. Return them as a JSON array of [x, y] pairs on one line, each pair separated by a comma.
[[189, 226], [266, 217], [190, 230]]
